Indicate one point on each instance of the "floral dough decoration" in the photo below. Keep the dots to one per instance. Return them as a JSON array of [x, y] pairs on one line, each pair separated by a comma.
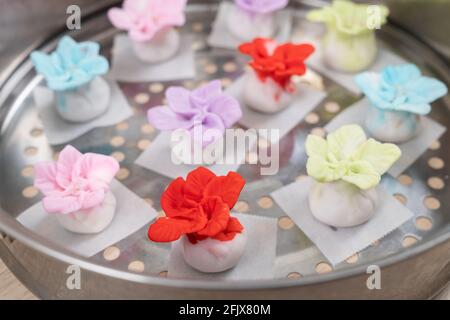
[[278, 62], [199, 207]]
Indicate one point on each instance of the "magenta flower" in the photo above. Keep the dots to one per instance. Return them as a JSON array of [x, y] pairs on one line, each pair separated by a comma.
[[261, 6], [76, 181], [206, 107], [144, 18]]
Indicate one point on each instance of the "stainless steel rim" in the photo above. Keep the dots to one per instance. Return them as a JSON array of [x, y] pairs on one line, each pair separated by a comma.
[[8, 80]]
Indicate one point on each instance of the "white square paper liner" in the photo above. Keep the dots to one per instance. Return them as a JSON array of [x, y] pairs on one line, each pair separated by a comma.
[[411, 150], [337, 244], [158, 158], [299, 261], [284, 120], [132, 213], [59, 131], [384, 58], [128, 68], [220, 36], [256, 263]]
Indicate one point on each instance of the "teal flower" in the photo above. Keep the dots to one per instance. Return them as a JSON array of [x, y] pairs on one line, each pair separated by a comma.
[[401, 88], [71, 65]]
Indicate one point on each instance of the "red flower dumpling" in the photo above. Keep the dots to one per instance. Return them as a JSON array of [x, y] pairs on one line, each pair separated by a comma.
[[279, 62], [199, 208]]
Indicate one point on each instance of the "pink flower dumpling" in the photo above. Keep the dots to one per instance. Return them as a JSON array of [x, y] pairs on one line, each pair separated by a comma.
[[76, 181], [144, 18], [76, 189], [150, 25]]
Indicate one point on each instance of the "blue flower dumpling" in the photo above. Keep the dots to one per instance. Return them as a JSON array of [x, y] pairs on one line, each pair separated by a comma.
[[73, 72], [399, 96]]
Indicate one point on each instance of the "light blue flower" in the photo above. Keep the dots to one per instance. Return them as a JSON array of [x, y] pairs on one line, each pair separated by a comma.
[[71, 65], [401, 88]]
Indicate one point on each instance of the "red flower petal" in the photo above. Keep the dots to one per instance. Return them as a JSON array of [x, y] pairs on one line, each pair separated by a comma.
[[286, 60], [226, 187], [196, 182], [166, 229], [218, 215], [234, 227], [173, 201]]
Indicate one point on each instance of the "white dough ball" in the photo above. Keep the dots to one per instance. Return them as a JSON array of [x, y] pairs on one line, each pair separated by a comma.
[[91, 220], [247, 26], [267, 96], [84, 103], [342, 204], [163, 46], [212, 255], [392, 126]]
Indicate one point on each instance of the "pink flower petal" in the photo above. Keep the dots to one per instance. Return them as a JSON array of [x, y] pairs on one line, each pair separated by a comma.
[[62, 205], [98, 169], [67, 159], [45, 178], [120, 19], [93, 199]]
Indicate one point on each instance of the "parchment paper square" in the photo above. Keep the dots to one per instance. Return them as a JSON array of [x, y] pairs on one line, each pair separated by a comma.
[[337, 244], [59, 131], [411, 150], [284, 120], [257, 262], [127, 67], [220, 36], [157, 157], [132, 213]]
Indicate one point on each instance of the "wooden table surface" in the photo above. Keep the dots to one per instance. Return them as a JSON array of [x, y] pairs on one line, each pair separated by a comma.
[[11, 288]]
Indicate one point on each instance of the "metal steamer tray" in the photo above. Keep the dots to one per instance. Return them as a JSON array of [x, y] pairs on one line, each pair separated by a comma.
[[414, 259]]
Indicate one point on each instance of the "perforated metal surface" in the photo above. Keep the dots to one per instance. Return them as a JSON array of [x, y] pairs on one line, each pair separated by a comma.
[[423, 187]]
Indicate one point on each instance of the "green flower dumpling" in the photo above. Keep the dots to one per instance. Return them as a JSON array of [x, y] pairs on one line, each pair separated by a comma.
[[348, 17], [348, 155]]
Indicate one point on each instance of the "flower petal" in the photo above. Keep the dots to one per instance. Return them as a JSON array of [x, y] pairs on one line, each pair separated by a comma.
[[425, 90], [179, 101], [120, 18], [98, 169], [95, 66], [164, 118], [173, 200], [63, 205], [316, 146], [203, 95], [343, 142], [362, 174], [92, 199], [167, 230], [380, 155], [226, 187], [196, 182], [208, 131], [234, 227], [67, 160], [45, 178], [322, 171], [227, 108], [400, 74], [218, 214]]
